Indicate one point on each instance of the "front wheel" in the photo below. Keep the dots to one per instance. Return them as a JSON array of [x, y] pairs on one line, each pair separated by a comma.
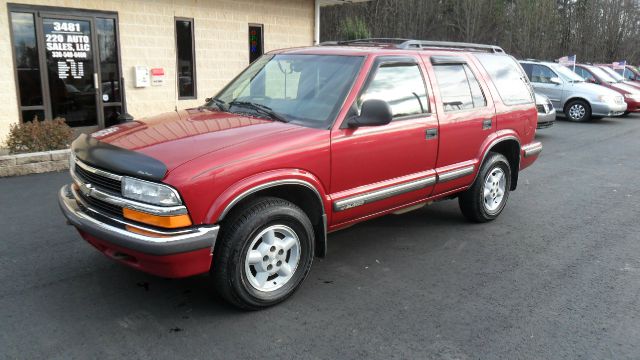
[[578, 111], [488, 195], [264, 254]]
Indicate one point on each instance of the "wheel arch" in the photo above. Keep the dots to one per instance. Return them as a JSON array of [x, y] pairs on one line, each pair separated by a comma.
[[305, 193], [510, 147], [569, 100]]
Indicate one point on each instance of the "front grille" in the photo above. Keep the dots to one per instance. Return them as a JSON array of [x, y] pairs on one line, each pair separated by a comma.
[[99, 181], [101, 206]]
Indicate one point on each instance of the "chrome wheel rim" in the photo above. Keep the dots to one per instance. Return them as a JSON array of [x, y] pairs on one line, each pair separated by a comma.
[[272, 258], [577, 111], [495, 186]]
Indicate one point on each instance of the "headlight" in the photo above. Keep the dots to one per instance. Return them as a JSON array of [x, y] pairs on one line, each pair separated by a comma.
[[607, 98], [149, 192]]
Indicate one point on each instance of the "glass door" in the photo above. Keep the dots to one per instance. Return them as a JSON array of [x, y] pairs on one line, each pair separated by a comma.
[[70, 64], [67, 65]]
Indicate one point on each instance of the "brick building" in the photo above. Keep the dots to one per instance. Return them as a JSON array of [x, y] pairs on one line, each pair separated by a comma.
[[90, 61]]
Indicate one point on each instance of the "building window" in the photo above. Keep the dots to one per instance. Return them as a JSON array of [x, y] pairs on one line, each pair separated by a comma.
[[185, 59], [27, 64], [256, 48]]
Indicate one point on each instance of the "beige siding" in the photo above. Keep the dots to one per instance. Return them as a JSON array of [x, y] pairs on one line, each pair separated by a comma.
[[147, 38]]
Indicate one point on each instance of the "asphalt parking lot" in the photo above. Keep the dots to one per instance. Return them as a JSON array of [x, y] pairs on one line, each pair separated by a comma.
[[557, 276]]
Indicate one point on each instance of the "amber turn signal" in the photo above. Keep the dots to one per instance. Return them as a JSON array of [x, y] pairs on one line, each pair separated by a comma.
[[170, 222]]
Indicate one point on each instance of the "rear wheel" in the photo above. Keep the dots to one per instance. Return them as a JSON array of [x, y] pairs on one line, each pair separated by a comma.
[[578, 111], [264, 254], [488, 195]]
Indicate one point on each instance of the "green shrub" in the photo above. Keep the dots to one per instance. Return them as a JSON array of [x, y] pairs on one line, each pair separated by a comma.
[[354, 28], [37, 136]]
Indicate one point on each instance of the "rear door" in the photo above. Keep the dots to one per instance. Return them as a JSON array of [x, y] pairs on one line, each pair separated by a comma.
[[467, 118], [377, 168]]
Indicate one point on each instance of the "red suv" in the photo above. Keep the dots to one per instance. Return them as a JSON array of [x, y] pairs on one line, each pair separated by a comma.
[[304, 142]]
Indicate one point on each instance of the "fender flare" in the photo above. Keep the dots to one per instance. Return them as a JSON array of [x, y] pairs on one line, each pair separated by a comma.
[[492, 141], [240, 190]]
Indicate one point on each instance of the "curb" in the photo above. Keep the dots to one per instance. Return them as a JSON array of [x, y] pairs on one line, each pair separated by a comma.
[[34, 163]]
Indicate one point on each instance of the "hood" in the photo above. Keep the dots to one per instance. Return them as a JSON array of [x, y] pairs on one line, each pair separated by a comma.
[[541, 99], [177, 137], [625, 88]]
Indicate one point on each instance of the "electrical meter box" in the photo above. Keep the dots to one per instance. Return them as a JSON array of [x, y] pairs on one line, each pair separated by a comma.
[[141, 76]]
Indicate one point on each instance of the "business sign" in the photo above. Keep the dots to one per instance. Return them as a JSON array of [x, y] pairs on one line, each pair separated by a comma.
[[68, 44], [157, 76]]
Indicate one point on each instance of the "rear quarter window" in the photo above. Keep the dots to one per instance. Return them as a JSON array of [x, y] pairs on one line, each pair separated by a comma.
[[508, 78]]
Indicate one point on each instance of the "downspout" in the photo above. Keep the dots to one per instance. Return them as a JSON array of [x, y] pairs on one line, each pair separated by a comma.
[[316, 25]]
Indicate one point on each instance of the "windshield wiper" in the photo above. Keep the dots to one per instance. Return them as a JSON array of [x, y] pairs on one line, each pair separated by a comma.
[[221, 104], [263, 109]]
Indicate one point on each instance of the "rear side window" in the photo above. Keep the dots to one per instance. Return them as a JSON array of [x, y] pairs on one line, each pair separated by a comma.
[[401, 86], [508, 78], [459, 88]]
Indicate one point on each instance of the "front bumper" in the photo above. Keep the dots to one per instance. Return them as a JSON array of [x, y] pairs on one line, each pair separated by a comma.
[[176, 253], [546, 120], [608, 109], [632, 105]]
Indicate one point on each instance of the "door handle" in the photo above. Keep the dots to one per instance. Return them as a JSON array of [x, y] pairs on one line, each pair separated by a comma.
[[486, 124], [431, 133]]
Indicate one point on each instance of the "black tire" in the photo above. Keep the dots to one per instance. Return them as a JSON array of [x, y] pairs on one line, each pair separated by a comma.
[[579, 104], [244, 225], [472, 203]]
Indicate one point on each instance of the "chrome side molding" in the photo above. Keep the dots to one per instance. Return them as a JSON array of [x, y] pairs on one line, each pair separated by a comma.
[[387, 192], [456, 174], [382, 194]]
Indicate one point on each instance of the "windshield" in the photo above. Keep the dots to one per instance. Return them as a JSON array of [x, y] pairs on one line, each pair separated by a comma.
[[566, 74], [303, 89], [602, 74], [617, 77]]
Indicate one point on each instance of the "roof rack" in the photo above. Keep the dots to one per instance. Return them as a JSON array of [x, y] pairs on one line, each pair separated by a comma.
[[400, 43]]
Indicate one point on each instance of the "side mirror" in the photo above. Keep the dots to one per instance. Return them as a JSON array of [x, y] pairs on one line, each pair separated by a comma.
[[374, 112], [592, 81], [555, 80]]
